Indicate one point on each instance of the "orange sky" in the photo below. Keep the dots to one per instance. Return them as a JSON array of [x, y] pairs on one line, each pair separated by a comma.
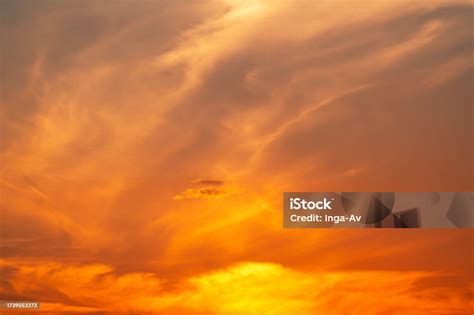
[[145, 147]]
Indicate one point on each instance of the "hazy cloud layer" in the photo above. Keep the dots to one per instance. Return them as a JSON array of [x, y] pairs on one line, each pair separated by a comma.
[[145, 147], [245, 288]]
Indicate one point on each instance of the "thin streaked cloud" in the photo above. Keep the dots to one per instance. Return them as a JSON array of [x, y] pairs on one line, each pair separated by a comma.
[[145, 148]]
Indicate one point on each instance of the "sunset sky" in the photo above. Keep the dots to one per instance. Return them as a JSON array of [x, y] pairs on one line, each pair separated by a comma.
[[145, 146]]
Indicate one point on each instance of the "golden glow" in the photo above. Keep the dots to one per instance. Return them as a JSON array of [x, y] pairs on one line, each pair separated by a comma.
[[145, 147]]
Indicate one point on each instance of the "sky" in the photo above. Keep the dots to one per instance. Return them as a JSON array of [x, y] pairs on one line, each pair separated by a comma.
[[145, 147]]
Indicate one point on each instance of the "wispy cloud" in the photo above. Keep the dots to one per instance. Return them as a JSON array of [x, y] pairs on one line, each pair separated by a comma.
[[110, 109]]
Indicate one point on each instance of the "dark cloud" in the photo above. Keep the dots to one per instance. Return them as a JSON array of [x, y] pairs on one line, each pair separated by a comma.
[[210, 182]]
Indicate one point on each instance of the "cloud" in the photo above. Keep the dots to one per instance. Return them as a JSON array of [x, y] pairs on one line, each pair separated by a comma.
[[81, 288], [109, 109], [206, 193], [244, 288], [210, 182], [213, 190]]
